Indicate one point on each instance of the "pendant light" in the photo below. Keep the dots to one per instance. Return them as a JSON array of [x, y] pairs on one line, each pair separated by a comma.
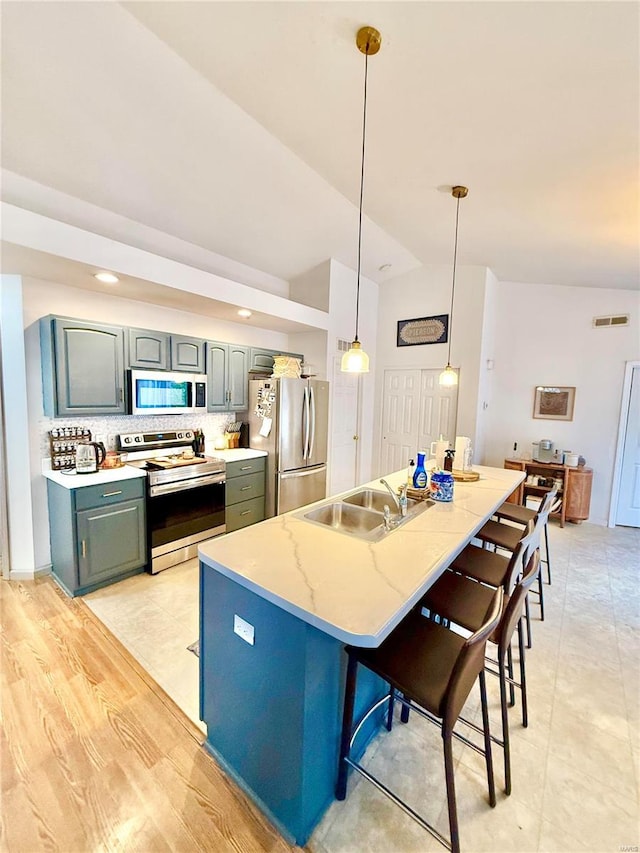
[[449, 377], [355, 360]]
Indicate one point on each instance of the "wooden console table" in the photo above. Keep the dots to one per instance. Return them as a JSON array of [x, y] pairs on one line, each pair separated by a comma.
[[575, 494]]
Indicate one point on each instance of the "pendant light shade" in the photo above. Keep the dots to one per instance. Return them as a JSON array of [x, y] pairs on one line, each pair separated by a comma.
[[356, 360], [449, 377]]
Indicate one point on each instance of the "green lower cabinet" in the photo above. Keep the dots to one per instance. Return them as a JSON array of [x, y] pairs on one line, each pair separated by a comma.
[[97, 533], [244, 493]]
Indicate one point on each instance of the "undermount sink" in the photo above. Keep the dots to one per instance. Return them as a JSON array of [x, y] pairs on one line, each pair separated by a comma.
[[361, 514]]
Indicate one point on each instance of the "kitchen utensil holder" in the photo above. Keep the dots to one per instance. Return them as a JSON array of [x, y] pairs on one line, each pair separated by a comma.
[[62, 446]]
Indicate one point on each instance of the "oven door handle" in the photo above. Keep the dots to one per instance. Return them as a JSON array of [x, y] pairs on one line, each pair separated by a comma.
[[186, 485]]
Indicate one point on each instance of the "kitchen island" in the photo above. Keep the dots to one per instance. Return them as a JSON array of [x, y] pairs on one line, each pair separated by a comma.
[[278, 601]]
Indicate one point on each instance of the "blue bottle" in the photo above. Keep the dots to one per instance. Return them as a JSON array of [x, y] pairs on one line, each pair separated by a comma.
[[420, 475]]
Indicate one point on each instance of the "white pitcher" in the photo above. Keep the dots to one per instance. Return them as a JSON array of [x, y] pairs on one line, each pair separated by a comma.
[[437, 449]]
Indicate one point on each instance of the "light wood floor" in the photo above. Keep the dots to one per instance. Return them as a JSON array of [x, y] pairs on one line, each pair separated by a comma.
[[95, 757]]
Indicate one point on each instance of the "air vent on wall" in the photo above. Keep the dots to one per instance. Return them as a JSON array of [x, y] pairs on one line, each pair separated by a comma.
[[343, 346], [612, 320]]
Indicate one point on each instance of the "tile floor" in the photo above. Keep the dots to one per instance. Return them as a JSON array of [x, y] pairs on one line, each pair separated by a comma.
[[576, 769]]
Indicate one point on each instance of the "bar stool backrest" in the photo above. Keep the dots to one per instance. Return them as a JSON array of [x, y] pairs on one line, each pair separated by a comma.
[[542, 516], [469, 663], [513, 610], [520, 555]]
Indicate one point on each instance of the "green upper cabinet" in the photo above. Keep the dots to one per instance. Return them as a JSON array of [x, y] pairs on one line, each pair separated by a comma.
[[227, 380], [82, 368], [187, 354], [148, 349], [261, 360]]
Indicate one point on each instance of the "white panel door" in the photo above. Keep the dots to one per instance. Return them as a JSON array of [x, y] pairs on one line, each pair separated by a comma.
[[344, 432], [628, 510], [438, 411], [400, 419]]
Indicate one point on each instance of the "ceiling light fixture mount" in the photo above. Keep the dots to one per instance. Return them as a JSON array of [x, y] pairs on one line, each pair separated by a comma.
[[355, 360], [449, 376]]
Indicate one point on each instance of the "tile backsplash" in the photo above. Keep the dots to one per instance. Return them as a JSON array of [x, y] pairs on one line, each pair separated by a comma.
[[103, 428]]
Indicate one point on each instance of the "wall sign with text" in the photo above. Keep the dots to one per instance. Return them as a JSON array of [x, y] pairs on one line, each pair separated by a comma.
[[423, 330]]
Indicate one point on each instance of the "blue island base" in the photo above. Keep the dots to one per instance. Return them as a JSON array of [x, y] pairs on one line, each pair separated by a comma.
[[273, 709]]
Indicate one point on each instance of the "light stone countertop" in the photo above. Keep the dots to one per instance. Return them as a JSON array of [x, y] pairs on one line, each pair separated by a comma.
[[354, 590], [106, 475]]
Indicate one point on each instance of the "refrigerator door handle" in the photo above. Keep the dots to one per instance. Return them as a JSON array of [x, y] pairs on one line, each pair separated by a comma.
[[313, 422], [305, 420]]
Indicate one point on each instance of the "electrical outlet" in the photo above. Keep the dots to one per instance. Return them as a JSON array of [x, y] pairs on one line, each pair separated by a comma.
[[111, 442], [243, 629]]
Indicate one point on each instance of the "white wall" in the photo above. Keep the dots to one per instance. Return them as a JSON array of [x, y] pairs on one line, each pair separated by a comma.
[[544, 336], [486, 366], [19, 515], [424, 293]]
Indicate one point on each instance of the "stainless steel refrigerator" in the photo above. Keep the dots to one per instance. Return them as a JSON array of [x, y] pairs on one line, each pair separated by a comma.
[[289, 418]]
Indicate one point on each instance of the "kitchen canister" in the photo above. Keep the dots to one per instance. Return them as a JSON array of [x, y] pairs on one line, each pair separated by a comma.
[[571, 460], [441, 486]]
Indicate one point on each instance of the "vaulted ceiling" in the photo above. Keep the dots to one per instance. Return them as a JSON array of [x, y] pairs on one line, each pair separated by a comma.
[[235, 126]]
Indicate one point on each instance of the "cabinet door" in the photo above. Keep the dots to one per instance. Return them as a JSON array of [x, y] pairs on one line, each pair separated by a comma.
[[89, 368], [148, 349], [261, 359], [238, 379], [217, 360], [187, 354], [111, 540]]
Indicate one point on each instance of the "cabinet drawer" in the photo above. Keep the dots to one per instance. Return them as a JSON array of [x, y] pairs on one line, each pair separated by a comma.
[[244, 488], [244, 513], [109, 493], [246, 466]]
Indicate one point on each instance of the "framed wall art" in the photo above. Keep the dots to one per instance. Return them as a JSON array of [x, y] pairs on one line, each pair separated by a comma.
[[423, 330], [554, 402]]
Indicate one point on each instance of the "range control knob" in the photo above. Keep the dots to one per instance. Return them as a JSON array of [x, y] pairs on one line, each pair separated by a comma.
[[180, 435], [138, 438], [127, 439]]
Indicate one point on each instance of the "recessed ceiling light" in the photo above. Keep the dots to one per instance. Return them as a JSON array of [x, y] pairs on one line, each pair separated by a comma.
[[244, 312], [106, 277]]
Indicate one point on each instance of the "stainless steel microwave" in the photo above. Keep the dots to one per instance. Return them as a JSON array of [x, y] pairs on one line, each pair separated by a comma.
[[157, 392]]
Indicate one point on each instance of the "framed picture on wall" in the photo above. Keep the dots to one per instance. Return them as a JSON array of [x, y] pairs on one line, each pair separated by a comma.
[[423, 330], [554, 402]]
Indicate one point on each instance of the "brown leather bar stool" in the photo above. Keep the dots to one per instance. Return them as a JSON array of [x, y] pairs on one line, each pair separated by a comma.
[[518, 514], [430, 670], [462, 601], [506, 536]]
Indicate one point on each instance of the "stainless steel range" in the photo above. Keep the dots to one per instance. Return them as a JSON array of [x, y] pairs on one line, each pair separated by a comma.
[[185, 494]]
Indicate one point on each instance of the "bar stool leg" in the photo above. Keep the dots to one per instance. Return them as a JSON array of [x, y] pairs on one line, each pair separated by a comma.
[[541, 594], [347, 723], [523, 676], [512, 690], [451, 790], [505, 723], [528, 618], [392, 697], [487, 739], [546, 552]]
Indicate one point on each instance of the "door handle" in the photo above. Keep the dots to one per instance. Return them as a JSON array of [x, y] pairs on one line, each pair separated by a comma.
[[312, 400], [305, 417], [83, 548]]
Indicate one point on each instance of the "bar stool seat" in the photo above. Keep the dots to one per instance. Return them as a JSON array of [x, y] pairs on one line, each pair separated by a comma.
[[486, 566], [501, 535], [521, 515]]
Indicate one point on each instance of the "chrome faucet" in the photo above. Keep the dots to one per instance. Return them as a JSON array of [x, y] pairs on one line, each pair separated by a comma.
[[401, 502]]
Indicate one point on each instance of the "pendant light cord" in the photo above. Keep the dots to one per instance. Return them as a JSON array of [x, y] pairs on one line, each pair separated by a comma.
[[453, 282], [364, 129]]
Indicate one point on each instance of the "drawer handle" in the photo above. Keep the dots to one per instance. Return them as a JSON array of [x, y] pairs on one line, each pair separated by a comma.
[[244, 488], [111, 494], [83, 549], [246, 467], [247, 512]]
